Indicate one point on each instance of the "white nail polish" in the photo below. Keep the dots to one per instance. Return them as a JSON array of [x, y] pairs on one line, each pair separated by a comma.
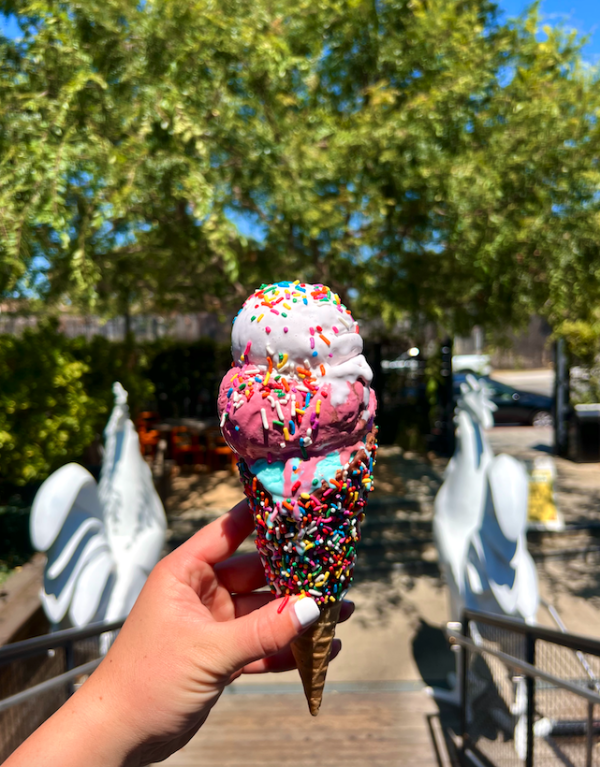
[[307, 611]]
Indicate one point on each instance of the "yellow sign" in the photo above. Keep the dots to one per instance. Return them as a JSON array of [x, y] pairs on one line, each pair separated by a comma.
[[541, 506]]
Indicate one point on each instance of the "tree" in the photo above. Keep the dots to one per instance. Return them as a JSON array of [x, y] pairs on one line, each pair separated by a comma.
[[435, 160]]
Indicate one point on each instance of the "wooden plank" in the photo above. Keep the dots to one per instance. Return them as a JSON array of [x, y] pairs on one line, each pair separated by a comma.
[[378, 729]]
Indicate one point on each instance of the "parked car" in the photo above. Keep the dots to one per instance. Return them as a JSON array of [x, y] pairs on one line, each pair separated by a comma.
[[477, 364], [514, 405]]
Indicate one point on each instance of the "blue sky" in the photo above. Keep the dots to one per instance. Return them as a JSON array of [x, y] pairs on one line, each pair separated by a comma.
[[582, 15]]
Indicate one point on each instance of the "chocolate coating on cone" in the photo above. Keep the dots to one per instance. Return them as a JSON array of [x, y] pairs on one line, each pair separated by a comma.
[[312, 651]]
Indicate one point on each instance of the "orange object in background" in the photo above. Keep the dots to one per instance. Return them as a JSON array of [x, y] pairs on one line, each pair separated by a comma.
[[184, 444], [148, 437], [219, 452]]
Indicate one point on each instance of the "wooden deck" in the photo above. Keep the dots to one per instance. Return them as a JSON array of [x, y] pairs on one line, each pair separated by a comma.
[[354, 729]]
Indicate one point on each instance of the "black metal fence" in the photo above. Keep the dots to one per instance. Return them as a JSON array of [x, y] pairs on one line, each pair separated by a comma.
[[38, 675], [529, 695]]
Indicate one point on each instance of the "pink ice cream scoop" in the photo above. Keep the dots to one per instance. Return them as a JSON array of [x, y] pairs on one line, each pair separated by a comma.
[[300, 384]]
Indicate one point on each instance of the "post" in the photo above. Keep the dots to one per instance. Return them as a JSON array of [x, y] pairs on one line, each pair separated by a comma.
[[561, 399], [464, 659], [589, 746], [446, 398], [530, 658], [70, 662]]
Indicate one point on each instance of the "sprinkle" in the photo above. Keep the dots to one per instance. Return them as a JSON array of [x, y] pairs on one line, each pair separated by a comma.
[[312, 343], [292, 426], [268, 329], [223, 418], [335, 330], [315, 354], [312, 331], [323, 338], [285, 330], [322, 368], [259, 318], [279, 410], [263, 415], [266, 381], [283, 361], [278, 423], [318, 407], [286, 434], [281, 607]]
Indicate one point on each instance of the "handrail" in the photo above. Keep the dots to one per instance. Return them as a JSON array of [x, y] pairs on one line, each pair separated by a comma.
[[49, 684], [36, 645], [526, 668], [572, 641], [578, 654]]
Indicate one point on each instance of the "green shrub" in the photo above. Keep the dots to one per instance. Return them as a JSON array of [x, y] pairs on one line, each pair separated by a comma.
[[109, 361], [56, 392], [15, 545], [46, 415], [186, 376]]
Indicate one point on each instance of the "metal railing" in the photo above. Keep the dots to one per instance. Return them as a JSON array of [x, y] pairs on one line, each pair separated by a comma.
[[38, 675], [528, 693]]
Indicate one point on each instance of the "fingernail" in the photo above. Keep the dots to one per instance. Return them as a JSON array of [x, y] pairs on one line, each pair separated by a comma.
[[307, 611]]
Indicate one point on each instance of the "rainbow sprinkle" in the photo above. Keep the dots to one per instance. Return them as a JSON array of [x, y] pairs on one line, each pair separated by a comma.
[[315, 554]]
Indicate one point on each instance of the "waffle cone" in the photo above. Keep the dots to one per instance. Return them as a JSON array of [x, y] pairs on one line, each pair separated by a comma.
[[312, 651]]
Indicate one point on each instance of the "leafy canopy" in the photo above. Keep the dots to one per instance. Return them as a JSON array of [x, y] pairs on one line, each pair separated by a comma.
[[421, 152]]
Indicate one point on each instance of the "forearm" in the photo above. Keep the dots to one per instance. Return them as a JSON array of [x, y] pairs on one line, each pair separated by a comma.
[[83, 733]]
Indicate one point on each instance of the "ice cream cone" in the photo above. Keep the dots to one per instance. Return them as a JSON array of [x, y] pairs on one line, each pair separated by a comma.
[[312, 651], [297, 407]]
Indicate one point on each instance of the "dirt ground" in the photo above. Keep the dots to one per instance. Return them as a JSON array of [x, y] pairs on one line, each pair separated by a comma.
[[401, 604]]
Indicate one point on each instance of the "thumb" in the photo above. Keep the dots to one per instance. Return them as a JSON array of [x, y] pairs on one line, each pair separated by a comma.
[[267, 630]]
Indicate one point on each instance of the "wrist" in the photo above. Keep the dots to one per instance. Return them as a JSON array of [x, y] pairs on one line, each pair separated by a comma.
[[82, 731], [98, 718]]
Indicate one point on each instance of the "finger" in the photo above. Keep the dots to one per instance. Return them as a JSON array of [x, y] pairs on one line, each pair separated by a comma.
[[284, 661], [221, 538], [264, 631], [241, 574], [348, 608], [246, 603]]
